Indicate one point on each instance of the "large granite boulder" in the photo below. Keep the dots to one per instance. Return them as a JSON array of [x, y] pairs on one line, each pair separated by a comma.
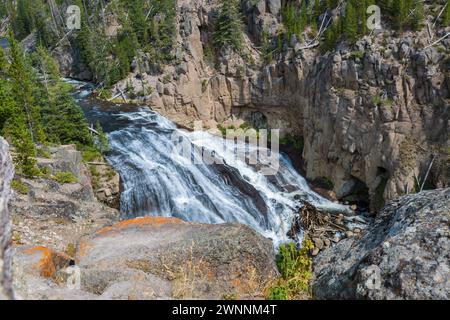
[[171, 258], [6, 175], [405, 255], [151, 258]]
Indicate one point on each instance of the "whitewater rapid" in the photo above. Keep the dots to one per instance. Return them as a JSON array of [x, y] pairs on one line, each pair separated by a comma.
[[159, 180]]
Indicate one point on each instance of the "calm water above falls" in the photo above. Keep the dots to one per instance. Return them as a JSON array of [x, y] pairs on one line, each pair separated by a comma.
[[160, 182]]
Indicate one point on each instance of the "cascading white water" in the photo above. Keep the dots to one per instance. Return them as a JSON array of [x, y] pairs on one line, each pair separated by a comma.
[[161, 180]]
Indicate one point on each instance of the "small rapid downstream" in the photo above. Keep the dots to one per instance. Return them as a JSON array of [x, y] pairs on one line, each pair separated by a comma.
[[160, 180]]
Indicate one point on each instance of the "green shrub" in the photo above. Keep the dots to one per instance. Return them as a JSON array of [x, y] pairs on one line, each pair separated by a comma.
[[91, 155], [380, 101], [45, 172], [65, 177], [222, 129], [295, 267], [20, 187], [278, 292], [357, 55], [245, 126], [297, 142], [167, 79], [324, 182]]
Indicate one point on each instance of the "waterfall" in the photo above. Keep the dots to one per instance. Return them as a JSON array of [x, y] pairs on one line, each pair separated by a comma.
[[160, 182]]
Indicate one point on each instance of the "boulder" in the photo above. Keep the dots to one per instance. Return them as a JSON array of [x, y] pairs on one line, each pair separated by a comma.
[[173, 258], [405, 255]]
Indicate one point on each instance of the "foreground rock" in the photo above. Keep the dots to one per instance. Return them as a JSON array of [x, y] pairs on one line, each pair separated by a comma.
[[405, 255], [6, 174], [176, 259], [56, 214], [152, 258]]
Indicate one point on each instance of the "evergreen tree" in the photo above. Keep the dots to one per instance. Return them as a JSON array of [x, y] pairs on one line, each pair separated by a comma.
[[295, 20], [138, 22], [6, 101], [64, 121], [418, 16], [102, 139], [23, 23], [329, 39], [22, 90], [361, 13], [267, 52], [229, 27], [21, 126], [350, 23]]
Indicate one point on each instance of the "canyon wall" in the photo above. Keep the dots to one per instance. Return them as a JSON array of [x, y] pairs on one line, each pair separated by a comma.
[[372, 117]]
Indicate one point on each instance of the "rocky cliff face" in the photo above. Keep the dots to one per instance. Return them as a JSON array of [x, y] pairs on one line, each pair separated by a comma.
[[404, 255], [372, 117], [6, 174]]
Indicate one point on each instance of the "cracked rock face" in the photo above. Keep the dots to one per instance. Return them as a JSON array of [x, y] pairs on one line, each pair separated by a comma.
[[6, 175], [405, 255]]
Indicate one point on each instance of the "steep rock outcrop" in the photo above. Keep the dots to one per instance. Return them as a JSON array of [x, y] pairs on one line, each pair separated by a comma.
[[405, 255], [378, 118], [6, 175], [152, 258]]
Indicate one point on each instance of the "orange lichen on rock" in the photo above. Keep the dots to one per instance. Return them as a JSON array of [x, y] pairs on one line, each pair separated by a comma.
[[83, 248], [140, 222], [49, 262]]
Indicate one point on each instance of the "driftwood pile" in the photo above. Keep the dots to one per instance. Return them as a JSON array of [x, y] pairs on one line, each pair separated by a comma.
[[322, 228]]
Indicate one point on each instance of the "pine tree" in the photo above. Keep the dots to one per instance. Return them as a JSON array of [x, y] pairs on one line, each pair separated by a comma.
[[386, 6], [137, 16], [23, 23], [266, 50], [22, 90], [418, 16], [400, 9], [6, 101], [229, 27], [350, 23], [295, 20], [102, 139], [64, 121], [21, 126], [361, 13], [329, 39]]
